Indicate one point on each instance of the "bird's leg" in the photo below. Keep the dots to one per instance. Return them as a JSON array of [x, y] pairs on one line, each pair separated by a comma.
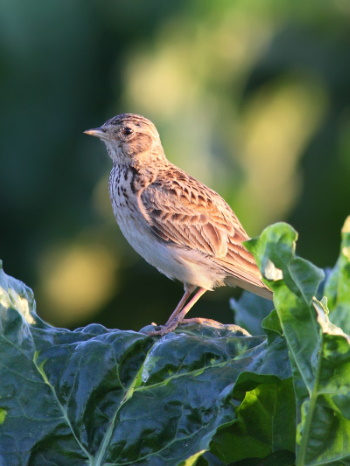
[[189, 289], [179, 313], [200, 292]]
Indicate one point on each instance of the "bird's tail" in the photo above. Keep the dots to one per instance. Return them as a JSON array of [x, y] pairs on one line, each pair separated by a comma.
[[257, 287], [242, 271]]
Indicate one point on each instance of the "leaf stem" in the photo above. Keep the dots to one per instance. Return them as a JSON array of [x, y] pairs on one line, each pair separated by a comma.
[[40, 369], [301, 454], [98, 459]]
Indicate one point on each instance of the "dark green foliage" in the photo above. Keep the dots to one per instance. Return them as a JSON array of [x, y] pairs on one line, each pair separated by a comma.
[[209, 395]]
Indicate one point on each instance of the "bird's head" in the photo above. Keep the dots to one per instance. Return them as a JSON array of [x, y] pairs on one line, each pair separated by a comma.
[[129, 139]]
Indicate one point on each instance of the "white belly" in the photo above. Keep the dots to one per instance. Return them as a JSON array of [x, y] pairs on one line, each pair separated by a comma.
[[187, 266]]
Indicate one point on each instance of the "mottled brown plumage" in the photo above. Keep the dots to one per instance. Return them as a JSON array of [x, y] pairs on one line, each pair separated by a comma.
[[179, 225]]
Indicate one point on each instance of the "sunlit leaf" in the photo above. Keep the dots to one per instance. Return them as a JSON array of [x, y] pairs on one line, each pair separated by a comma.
[[319, 351], [337, 287]]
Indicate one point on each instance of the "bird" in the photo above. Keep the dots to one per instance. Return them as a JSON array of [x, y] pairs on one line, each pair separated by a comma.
[[176, 223]]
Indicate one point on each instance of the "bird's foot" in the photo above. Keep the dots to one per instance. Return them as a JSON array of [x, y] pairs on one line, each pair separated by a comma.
[[164, 329], [173, 324]]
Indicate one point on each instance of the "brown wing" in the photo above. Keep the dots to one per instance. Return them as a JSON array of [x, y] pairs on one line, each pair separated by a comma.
[[183, 211]]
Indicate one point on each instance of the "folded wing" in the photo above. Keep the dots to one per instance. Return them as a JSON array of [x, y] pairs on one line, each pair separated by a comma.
[[186, 213]]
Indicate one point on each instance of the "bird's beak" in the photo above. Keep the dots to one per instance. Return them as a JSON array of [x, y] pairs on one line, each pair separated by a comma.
[[97, 132]]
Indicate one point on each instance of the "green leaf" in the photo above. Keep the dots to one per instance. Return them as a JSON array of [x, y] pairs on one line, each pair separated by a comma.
[[261, 428], [279, 458], [337, 288], [319, 351], [101, 397], [205, 394], [192, 460], [272, 324], [250, 310]]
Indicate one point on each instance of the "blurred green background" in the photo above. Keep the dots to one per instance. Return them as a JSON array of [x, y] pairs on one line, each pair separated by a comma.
[[251, 97]]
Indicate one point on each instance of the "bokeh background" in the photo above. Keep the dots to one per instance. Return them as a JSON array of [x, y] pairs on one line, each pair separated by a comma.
[[251, 97]]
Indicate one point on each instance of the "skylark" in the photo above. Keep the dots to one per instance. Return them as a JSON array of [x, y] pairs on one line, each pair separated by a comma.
[[177, 224]]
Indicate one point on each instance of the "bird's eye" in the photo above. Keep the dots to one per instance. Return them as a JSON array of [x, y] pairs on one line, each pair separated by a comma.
[[127, 131]]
